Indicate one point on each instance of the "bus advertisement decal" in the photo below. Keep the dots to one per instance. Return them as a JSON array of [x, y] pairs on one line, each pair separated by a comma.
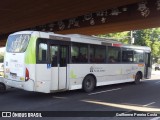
[[48, 66], [140, 65], [96, 69]]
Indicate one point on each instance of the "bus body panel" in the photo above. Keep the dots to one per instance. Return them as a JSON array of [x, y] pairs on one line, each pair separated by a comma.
[[32, 71], [105, 74], [14, 66], [62, 78], [129, 70], [28, 86], [21, 83], [58, 78], [45, 78], [16, 63], [54, 79], [50, 78]]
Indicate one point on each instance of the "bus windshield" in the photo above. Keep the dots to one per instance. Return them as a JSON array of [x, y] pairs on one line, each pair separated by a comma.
[[17, 43]]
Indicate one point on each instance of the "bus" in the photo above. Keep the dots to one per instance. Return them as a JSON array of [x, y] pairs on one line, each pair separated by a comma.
[[48, 62]]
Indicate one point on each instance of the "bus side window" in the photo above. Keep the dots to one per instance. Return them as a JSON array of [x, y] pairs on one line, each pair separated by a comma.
[[127, 55], [79, 53], [114, 55], [74, 53], [97, 54], [111, 59], [54, 56], [44, 55], [74, 59], [138, 56]]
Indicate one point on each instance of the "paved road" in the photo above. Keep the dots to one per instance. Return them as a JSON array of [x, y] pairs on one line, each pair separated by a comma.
[[123, 98]]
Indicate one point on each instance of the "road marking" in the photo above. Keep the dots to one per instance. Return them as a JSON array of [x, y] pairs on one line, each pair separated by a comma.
[[149, 104], [59, 97], [104, 91], [127, 107], [143, 106], [156, 118]]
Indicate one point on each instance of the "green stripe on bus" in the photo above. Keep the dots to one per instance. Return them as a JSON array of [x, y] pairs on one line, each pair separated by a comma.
[[72, 74], [30, 57]]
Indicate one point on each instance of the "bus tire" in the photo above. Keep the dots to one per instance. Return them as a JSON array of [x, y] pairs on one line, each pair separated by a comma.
[[2, 87], [88, 83], [137, 78]]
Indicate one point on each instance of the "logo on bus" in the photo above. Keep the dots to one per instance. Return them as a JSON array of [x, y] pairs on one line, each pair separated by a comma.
[[96, 69], [6, 63]]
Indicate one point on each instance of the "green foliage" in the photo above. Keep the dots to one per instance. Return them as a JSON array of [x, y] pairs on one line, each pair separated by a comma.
[[123, 37], [1, 58], [1, 54], [150, 38]]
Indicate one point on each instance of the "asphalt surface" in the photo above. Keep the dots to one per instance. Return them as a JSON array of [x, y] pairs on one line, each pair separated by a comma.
[[126, 98]]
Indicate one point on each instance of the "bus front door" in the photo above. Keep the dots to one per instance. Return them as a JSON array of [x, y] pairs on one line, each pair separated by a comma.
[[59, 59], [147, 70]]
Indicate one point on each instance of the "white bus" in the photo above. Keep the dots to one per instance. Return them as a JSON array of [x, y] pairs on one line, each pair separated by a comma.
[[48, 62]]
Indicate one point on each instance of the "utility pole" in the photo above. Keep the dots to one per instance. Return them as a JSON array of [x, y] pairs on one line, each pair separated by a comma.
[[131, 37]]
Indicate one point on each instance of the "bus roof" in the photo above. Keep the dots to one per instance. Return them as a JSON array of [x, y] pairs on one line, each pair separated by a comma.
[[83, 39], [72, 37], [92, 40], [23, 32], [108, 40], [145, 48]]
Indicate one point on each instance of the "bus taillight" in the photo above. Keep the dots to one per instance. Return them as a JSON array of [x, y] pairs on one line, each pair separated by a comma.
[[116, 45], [27, 75]]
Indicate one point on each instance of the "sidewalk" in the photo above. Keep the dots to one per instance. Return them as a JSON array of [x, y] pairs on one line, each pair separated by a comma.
[[155, 74]]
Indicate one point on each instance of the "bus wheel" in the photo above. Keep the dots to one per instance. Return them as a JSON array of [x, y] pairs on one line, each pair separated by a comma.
[[137, 78], [2, 88], [89, 83]]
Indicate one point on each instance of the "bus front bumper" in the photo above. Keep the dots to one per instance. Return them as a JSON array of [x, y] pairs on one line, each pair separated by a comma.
[[25, 85]]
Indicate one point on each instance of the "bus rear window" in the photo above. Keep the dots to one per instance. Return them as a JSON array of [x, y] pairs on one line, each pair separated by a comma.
[[17, 43]]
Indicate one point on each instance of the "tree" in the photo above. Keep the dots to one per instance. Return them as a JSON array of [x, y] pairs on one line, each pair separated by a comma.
[[1, 58], [1, 55], [123, 37], [150, 38]]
